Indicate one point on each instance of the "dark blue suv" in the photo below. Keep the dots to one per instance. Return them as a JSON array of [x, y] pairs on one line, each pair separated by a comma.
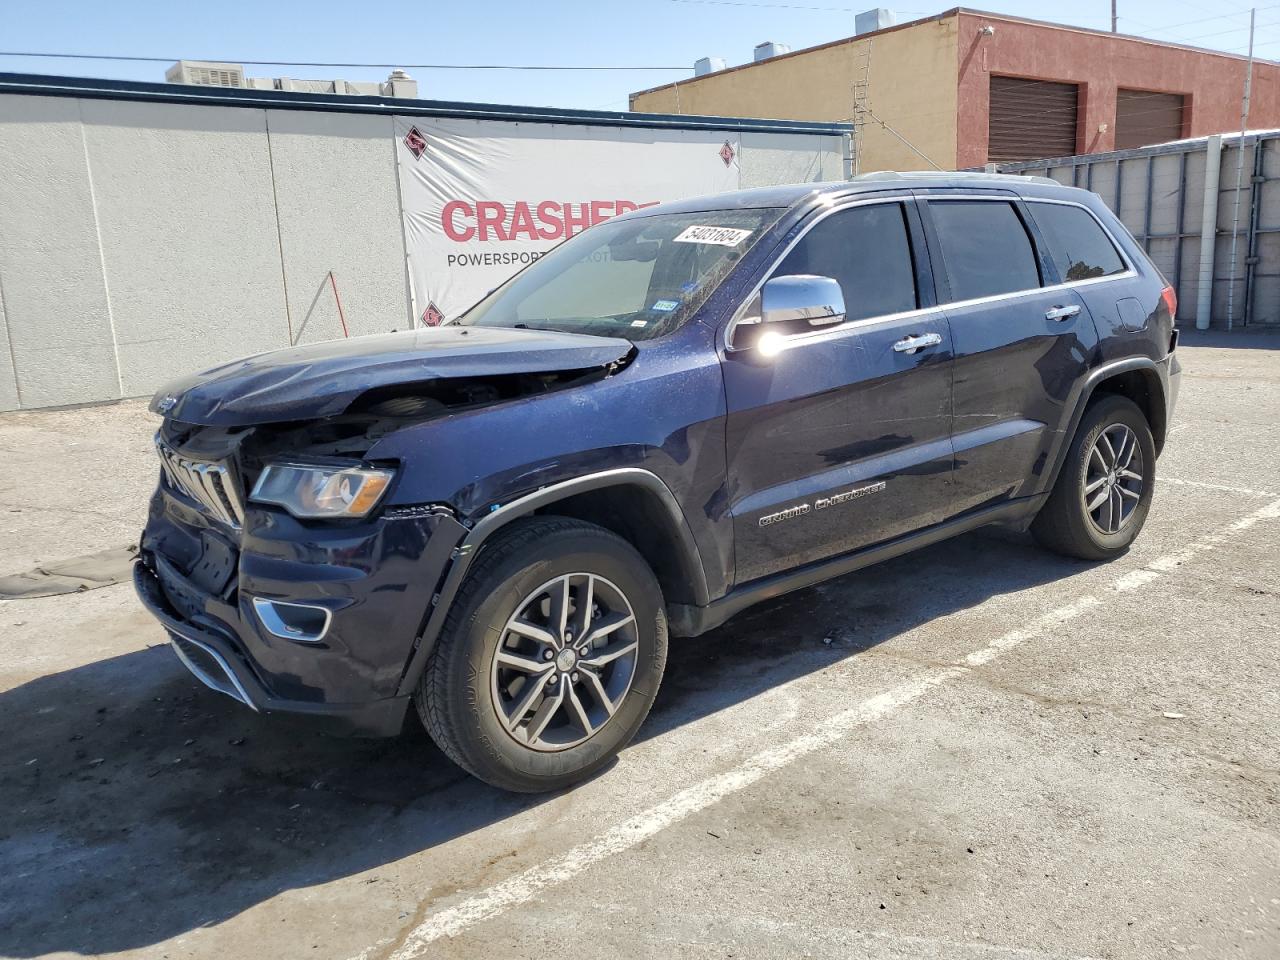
[[671, 416]]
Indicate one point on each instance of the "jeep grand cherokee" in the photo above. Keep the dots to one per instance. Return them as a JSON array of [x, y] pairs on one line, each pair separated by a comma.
[[672, 415]]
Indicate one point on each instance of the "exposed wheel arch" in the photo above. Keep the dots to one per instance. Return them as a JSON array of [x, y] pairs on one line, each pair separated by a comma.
[[571, 494], [638, 514]]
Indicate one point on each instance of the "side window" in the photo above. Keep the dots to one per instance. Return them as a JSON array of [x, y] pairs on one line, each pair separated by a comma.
[[1079, 247], [985, 247], [868, 250]]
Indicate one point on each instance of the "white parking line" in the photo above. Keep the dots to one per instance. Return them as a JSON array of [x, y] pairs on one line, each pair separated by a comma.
[[1214, 486], [525, 886], [1014, 637]]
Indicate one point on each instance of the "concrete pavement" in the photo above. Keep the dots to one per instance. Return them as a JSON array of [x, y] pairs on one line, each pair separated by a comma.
[[978, 751]]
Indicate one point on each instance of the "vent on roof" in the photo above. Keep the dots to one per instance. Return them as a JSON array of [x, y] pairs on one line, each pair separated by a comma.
[[770, 49], [203, 73], [705, 65], [870, 21]]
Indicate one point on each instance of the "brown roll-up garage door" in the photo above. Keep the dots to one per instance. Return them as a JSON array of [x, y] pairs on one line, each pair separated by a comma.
[[1031, 119], [1143, 118]]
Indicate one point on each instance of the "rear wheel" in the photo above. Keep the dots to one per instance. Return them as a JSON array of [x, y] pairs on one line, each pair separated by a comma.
[[549, 659], [1103, 493]]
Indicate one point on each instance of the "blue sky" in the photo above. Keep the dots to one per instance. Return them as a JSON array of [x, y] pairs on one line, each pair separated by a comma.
[[665, 33]]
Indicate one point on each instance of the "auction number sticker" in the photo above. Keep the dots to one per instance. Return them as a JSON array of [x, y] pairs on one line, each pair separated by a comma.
[[723, 236]]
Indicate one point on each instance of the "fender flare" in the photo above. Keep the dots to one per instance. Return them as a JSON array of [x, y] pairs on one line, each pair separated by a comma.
[[1083, 394], [464, 553]]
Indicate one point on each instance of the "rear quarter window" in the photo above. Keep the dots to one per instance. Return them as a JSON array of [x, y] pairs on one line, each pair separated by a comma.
[[1078, 246]]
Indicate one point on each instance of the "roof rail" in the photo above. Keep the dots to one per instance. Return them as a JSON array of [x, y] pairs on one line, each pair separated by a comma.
[[951, 175]]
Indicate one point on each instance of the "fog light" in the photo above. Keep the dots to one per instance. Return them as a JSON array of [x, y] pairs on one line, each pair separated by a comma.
[[293, 621]]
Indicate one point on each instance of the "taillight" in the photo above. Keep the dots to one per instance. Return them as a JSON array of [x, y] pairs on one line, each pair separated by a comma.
[[1170, 298]]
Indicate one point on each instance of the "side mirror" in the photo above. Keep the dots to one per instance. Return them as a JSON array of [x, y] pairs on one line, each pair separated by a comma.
[[800, 302]]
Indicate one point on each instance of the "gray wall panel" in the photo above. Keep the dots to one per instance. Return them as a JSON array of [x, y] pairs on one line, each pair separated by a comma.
[[338, 170], [1164, 194], [8, 380], [56, 308], [187, 218]]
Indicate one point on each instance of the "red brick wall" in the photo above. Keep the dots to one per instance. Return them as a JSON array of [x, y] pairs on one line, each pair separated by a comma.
[[1100, 63]]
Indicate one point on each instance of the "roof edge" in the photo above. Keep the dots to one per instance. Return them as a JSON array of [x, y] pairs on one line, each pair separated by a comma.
[[34, 84], [1094, 31], [944, 15], [947, 14]]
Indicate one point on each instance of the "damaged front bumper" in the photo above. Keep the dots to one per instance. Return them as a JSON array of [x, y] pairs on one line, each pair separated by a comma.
[[284, 616]]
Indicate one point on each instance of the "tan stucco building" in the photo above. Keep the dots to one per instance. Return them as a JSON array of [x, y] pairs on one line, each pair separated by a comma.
[[964, 88]]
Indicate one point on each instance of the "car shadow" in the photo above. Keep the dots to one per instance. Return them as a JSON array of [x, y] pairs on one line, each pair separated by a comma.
[[139, 806]]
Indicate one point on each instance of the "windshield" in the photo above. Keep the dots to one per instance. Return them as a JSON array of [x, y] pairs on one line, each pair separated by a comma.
[[637, 278]]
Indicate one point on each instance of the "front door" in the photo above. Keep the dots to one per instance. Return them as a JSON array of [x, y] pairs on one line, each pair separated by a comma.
[[840, 438]]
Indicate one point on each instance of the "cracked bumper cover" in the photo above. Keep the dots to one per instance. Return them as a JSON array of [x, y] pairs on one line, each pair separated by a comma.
[[376, 579]]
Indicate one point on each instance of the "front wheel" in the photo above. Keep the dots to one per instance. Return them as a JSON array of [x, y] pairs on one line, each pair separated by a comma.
[[1101, 498], [550, 658]]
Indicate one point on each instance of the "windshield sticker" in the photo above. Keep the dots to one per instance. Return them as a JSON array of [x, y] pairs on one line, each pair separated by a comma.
[[689, 287], [639, 323], [665, 306], [722, 236]]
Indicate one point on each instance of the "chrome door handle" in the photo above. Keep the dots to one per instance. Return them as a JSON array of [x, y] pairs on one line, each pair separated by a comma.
[[1062, 313], [917, 342]]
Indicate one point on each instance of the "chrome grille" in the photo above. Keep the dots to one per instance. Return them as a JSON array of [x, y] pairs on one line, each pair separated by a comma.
[[210, 484]]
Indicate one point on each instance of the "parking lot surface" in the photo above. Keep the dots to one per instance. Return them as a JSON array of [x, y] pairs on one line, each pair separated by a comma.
[[977, 751]]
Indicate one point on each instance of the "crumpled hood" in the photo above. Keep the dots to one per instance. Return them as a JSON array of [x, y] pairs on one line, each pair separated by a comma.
[[321, 379]]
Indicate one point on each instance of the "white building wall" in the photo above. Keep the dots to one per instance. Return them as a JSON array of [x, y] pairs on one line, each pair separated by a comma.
[[140, 241], [772, 158]]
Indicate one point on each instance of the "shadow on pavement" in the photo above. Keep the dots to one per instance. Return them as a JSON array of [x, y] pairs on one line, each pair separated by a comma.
[[139, 806], [1247, 338]]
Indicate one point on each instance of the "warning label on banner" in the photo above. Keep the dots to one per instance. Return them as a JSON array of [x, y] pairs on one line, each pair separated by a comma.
[[483, 199]]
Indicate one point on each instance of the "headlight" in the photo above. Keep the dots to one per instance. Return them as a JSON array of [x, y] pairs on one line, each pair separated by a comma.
[[322, 492]]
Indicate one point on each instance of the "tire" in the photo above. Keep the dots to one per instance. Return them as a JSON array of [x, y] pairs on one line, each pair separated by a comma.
[[1065, 524], [467, 697]]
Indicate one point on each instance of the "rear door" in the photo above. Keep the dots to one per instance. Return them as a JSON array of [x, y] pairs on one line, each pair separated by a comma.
[[840, 438], [1022, 341]]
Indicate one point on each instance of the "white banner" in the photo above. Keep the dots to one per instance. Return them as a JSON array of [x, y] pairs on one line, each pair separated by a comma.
[[484, 198]]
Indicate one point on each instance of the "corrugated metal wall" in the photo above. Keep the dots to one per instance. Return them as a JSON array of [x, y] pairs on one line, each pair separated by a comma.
[[1158, 192]]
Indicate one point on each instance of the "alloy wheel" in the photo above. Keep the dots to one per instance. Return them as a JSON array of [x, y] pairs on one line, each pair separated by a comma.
[[565, 662], [1113, 478]]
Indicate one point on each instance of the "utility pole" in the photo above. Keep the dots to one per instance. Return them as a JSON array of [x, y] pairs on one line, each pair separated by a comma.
[[1248, 76], [1244, 126], [1113, 16]]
